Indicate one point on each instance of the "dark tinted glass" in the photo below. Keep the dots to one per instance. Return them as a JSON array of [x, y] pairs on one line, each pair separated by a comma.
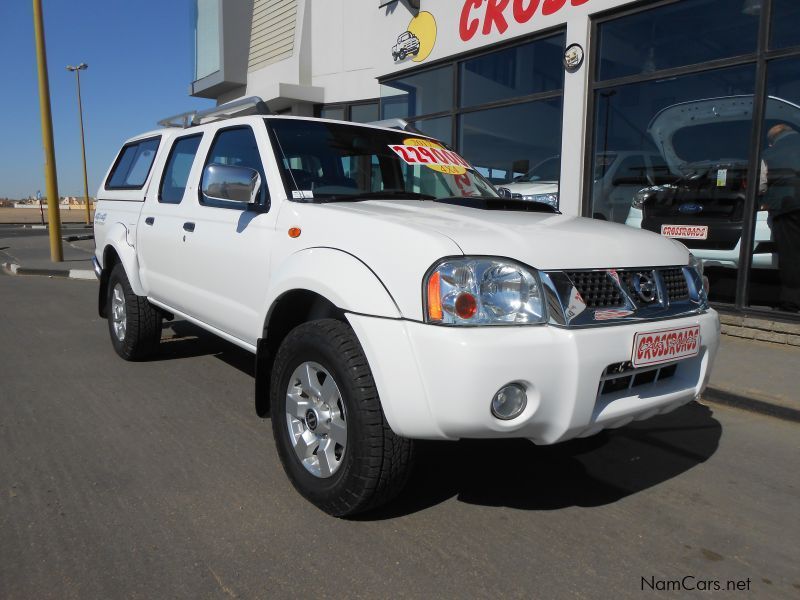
[[176, 174], [364, 113], [785, 23], [332, 113], [425, 93], [133, 165], [683, 33], [777, 228], [674, 152], [504, 143], [517, 71], [440, 127], [236, 147]]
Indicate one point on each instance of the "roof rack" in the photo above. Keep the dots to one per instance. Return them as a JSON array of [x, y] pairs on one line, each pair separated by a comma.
[[395, 123], [252, 105]]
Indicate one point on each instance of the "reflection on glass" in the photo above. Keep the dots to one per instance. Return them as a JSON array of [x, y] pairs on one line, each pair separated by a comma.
[[518, 71], [775, 276], [364, 113], [682, 33], [332, 113], [671, 156], [785, 19], [206, 38], [421, 94], [507, 143], [441, 128]]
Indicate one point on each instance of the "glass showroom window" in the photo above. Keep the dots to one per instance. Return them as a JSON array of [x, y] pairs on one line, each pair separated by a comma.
[[671, 138], [358, 112], [206, 38], [505, 117], [775, 271], [517, 145], [424, 93], [785, 25], [523, 70]]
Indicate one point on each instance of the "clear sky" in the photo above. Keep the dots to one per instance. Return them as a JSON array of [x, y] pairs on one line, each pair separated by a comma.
[[140, 57]]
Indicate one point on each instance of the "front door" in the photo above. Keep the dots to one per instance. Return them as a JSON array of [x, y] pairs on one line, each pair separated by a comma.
[[227, 244]]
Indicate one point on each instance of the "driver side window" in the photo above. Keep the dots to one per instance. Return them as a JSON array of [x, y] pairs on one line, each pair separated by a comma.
[[237, 147]]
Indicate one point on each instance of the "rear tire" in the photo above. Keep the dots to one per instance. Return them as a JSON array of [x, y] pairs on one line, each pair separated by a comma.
[[332, 437], [133, 323]]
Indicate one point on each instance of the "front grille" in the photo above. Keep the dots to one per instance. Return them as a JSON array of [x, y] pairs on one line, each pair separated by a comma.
[[597, 288], [675, 284], [622, 376]]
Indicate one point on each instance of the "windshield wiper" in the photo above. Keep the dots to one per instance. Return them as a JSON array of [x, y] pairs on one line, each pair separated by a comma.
[[378, 195]]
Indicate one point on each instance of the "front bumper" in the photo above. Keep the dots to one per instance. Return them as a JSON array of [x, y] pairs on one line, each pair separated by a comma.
[[437, 382]]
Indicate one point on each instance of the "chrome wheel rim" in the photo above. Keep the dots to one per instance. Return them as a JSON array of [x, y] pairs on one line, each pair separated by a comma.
[[316, 419], [119, 319]]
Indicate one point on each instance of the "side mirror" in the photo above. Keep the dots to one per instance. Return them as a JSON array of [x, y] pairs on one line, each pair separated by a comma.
[[231, 184]]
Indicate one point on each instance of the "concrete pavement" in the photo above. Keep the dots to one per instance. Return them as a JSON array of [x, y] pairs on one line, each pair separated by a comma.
[[25, 250], [156, 480]]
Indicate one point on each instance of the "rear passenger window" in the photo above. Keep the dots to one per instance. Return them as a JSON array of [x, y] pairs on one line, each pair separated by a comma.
[[176, 173], [133, 165]]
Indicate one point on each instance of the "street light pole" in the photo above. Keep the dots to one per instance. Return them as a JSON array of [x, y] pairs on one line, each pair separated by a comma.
[[77, 70], [51, 180]]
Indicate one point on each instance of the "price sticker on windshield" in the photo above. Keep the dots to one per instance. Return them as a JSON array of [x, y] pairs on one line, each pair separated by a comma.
[[419, 151]]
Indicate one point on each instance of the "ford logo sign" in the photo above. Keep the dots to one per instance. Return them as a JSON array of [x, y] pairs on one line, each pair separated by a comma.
[[690, 208]]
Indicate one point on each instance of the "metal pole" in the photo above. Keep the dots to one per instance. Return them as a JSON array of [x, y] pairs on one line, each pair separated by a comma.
[[83, 151], [51, 180]]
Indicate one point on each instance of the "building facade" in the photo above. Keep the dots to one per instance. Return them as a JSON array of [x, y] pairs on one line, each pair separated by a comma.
[[678, 116]]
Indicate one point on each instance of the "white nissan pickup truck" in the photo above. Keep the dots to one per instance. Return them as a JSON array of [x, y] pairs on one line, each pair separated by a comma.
[[390, 293]]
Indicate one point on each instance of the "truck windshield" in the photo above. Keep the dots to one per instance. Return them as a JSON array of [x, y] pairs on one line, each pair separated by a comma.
[[328, 162]]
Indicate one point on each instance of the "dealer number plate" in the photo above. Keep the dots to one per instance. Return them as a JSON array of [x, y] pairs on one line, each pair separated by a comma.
[[665, 345], [685, 232]]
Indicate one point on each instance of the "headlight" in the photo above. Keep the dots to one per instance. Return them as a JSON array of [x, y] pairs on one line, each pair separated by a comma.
[[551, 199], [701, 281], [483, 291], [640, 197], [696, 264]]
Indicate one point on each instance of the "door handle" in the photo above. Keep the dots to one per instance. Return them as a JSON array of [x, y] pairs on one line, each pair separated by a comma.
[[188, 226], [149, 220]]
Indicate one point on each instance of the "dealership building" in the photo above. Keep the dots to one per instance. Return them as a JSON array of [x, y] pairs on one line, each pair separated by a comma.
[[677, 116]]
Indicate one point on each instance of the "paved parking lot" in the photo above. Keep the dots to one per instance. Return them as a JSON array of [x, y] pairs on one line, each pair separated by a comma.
[[157, 479]]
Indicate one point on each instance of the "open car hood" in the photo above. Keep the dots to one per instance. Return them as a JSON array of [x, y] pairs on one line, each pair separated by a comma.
[[669, 120]]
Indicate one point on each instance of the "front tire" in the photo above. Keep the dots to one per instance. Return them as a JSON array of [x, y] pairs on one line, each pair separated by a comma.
[[330, 431], [133, 323]]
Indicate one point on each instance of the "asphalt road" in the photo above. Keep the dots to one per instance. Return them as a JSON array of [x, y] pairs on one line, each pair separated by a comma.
[[12, 231], [157, 480]]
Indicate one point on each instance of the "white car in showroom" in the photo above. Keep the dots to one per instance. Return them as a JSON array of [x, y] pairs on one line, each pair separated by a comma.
[[704, 203], [618, 175], [389, 293]]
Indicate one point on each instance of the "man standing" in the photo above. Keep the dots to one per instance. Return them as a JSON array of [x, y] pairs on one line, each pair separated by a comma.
[[783, 198]]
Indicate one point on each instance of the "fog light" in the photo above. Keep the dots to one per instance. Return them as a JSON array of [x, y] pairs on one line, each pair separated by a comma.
[[509, 401]]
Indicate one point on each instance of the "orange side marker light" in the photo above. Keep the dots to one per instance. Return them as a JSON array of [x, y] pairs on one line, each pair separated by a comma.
[[294, 232], [435, 298]]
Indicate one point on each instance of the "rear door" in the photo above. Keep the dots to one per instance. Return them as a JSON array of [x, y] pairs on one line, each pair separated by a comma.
[[162, 256]]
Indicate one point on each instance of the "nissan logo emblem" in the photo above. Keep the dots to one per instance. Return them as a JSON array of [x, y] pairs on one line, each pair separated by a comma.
[[644, 284]]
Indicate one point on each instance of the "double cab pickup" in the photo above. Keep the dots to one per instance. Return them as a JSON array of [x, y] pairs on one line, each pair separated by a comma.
[[390, 293]]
